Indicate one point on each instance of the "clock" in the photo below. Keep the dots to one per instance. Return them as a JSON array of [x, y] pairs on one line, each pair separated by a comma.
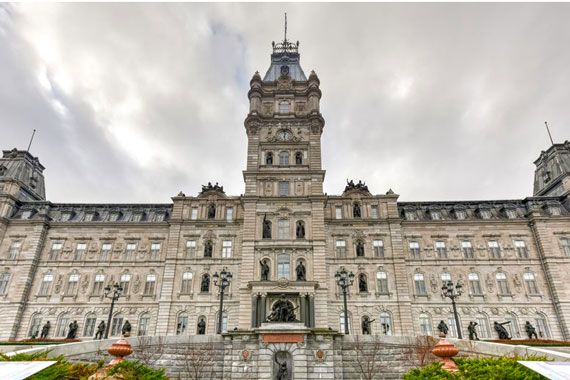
[[284, 135]]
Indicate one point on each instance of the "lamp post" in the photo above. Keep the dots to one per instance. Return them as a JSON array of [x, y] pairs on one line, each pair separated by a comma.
[[113, 292], [222, 281], [452, 292], [344, 279]]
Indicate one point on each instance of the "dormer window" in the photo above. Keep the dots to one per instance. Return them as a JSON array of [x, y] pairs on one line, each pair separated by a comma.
[[89, 217], [411, 215], [546, 176], [114, 216], [436, 215], [485, 214], [511, 213], [554, 210], [460, 214], [65, 216], [26, 214], [137, 217]]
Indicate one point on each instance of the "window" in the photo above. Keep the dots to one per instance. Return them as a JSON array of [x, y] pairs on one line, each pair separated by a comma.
[[56, 248], [338, 212], [520, 246], [554, 210], [436, 215], [340, 246], [113, 217], [378, 248], [283, 266], [80, 250], [26, 214], [440, 249], [181, 323], [106, 250], [283, 188], [483, 327], [130, 251], [530, 282], [98, 284], [61, 329], [541, 327], [474, 284], [511, 214], [137, 217], [452, 327], [502, 285], [494, 249], [283, 158], [4, 279], [411, 215], [65, 216], [382, 282], [159, 217], [190, 248], [186, 287], [284, 107], [45, 287], [150, 284], [385, 323], [513, 327], [415, 249], [89, 327], [283, 229], [445, 278], [116, 325], [425, 325], [565, 244], [35, 326], [194, 213], [14, 249], [485, 214], [72, 284], [420, 284], [144, 321], [124, 282], [154, 251], [460, 214], [374, 212], [467, 249], [226, 249], [229, 214], [341, 322]]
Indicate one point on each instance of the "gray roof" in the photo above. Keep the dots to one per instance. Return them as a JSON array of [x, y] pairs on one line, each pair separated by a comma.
[[287, 58]]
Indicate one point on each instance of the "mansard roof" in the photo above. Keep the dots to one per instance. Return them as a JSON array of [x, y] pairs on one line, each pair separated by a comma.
[[286, 57]]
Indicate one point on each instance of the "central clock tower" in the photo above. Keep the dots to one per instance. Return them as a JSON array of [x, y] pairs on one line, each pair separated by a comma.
[[283, 252]]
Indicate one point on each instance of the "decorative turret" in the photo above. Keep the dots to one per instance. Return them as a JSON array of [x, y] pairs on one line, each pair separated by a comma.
[[21, 175], [552, 174]]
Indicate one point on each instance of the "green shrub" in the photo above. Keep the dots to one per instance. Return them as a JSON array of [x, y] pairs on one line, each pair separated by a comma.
[[503, 368], [135, 370]]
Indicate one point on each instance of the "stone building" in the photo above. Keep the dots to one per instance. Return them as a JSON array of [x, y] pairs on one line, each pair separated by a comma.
[[284, 236]]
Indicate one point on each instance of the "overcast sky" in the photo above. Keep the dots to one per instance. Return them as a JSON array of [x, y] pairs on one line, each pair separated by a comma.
[[136, 102]]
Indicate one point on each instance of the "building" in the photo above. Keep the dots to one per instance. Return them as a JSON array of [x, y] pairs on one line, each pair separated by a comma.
[[511, 255]]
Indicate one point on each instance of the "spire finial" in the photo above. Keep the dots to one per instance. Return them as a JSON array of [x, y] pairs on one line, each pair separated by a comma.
[[285, 39], [31, 139], [548, 130]]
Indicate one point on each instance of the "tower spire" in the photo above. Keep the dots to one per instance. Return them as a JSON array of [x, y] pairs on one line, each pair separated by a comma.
[[548, 130], [285, 38]]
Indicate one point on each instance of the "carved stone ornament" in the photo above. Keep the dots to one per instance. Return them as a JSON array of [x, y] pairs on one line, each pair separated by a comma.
[[84, 284], [245, 355], [137, 284], [433, 283], [283, 283], [495, 310], [320, 355]]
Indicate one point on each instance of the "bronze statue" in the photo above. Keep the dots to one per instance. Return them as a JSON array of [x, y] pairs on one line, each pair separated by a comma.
[[100, 330], [45, 330], [362, 284], [208, 248], [269, 158], [530, 330], [205, 284], [201, 326], [356, 210], [282, 311], [282, 372], [298, 158], [264, 270], [442, 327], [472, 331], [300, 230], [126, 330], [501, 330], [360, 249], [301, 272], [211, 211], [72, 333], [266, 228], [366, 325]]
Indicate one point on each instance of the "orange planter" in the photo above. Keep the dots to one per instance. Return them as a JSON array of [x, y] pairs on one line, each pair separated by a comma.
[[446, 350], [119, 349]]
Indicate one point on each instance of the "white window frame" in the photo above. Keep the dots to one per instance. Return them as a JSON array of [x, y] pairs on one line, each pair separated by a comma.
[[226, 249]]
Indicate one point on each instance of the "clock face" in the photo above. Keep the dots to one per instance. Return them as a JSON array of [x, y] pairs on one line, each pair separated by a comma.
[[284, 135]]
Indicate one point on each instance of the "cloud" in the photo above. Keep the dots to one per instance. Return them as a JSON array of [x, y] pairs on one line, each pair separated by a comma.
[[135, 102]]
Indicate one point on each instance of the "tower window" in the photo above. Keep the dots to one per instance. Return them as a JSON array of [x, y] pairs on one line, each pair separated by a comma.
[[374, 212], [284, 107], [338, 212], [283, 188], [283, 266], [284, 158], [194, 213]]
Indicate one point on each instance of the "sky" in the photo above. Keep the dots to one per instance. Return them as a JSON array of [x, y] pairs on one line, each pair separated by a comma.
[[136, 102]]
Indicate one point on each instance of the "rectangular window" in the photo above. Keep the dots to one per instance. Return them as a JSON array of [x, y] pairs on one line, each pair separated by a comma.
[[283, 229], [460, 214], [467, 249], [494, 249], [374, 212], [482, 327], [62, 327], [382, 282], [338, 212], [554, 210], [113, 217], [511, 214], [56, 248], [88, 217], [143, 325], [194, 213], [530, 283], [4, 279], [159, 217], [186, 287], [378, 248], [565, 245], [229, 214], [425, 325], [283, 266], [65, 217], [150, 285], [154, 251], [98, 284], [26, 214], [441, 249], [190, 248], [452, 327], [226, 249], [14, 249], [136, 217], [89, 328], [340, 248], [124, 283], [541, 328], [283, 188], [502, 286], [45, 287], [420, 284], [130, 251], [485, 214], [415, 249], [445, 278], [411, 215], [80, 250], [35, 327], [116, 325], [474, 284], [106, 251], [72, 284], [520, 246], [436, 215]]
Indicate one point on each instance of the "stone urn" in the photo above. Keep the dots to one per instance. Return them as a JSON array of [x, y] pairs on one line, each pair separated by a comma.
[[446, 350], [119, 350]]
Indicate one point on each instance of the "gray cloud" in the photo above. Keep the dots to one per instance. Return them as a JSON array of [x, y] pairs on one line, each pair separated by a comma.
[[134, 102]]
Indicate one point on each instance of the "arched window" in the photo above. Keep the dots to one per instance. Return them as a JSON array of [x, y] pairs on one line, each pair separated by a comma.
[[298, 158], [541, 326], [283, 158], [474, 284], [513, 326], [382, 282], [35, 326], [385, 323], [269, 158], [502, 285], [186, 287], [116, 324], [181, 323], [362, 283], [62, 324], [283, 266], [208, 248], [341, 322], [483, 326], [89, 325], [144, 322], [420, 284], [359, 248], [205, 283], [425, 324]]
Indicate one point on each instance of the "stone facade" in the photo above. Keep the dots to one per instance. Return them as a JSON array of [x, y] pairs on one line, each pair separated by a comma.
[[510, 255]]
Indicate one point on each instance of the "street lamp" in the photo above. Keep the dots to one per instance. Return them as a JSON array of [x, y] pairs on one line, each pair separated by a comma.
[[113, 292], [222, 281], [452, 292], [344, 280]]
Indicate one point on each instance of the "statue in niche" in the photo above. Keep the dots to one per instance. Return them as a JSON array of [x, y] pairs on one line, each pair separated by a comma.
[[282, 311], [501, 330], [299, 158], [367, 325], [211, 211], [208, 248], [530, 330], [282, 370], [205, 284], [45, 330], [359, 249], [356, 210], [264, 270], [266, 228], [442, 327], [269, 158], [300, 230], [362, 284], [72, 333], [100, 330], [201, 326], [126, 330], [301, 271], [472, 331]]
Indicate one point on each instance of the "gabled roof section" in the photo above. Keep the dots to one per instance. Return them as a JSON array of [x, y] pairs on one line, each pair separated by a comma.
[[285, 60]]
